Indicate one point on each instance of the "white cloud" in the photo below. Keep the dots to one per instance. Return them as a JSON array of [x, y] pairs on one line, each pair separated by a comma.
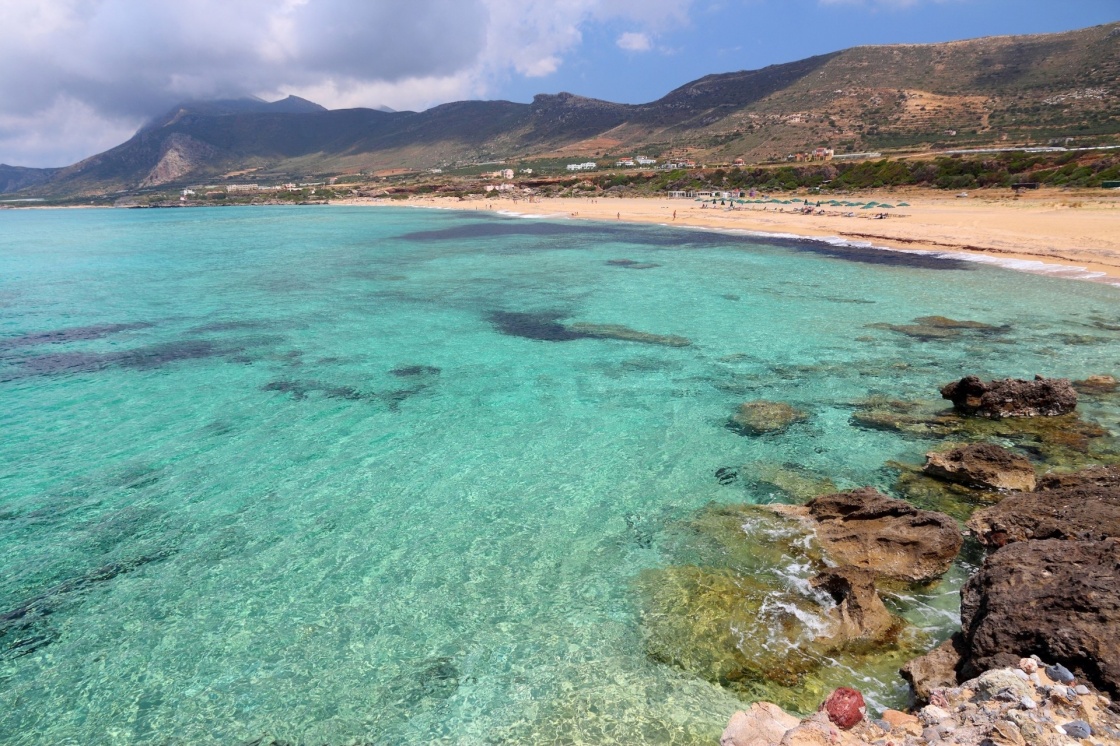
[[634, 42], [82, 72]]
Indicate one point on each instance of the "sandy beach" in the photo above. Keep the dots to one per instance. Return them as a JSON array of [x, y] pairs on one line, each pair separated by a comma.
[[1070, 233]]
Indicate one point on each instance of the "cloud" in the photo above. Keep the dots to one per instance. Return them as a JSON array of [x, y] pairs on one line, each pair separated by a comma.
[[80, 73], [634, 42]]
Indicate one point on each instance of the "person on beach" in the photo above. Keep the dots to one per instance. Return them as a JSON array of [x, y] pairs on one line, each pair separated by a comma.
[[674, 214]]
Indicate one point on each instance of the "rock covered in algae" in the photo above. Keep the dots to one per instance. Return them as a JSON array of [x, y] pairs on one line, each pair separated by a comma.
[[1053, 598], [761, 417], [792, 480], [1066, 507], [734, 629], [626, 334], [892, 538], [939, 327], [982, 465], [1096, 385], [1012, 397]]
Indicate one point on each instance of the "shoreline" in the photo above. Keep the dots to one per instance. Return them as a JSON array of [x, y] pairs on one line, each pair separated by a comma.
[[1064, 236]]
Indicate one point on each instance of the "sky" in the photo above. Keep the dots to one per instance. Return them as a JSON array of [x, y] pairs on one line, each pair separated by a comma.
[[80, 76]]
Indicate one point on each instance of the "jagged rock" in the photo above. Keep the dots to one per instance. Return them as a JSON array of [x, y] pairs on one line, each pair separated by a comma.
[[761, 417], [983, 466], [1042, 397], [891, 538], [859, 612], [1053, 598], [936, 669], [1087, 508], [763, 724], [1097, 385]]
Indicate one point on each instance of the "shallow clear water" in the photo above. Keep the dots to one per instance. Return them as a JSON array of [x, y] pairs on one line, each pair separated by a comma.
[[223, 515]]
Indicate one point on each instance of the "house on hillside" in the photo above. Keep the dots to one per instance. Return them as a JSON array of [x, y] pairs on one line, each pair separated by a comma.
[[645, 161], [624, 162]]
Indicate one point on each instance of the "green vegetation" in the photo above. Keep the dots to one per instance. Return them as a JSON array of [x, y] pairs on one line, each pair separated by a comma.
[[946, 172]]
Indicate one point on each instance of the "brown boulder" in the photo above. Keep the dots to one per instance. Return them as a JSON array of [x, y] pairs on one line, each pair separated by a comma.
[[1097, 385], [1085, 510], [859, 612], [889, 537], [1012, 397], [984, 466], [937, 669], [1056, 599]]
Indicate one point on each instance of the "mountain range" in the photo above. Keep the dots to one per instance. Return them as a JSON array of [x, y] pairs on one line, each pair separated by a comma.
[[992, 90]]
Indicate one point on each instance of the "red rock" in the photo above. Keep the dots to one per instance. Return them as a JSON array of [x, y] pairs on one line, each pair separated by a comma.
[[845, 707]]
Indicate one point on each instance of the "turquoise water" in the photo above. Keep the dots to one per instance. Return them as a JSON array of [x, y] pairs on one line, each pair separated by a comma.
[[292, 473]]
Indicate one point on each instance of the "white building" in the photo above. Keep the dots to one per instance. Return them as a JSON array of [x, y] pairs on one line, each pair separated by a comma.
[[644, 161], [588, 166]]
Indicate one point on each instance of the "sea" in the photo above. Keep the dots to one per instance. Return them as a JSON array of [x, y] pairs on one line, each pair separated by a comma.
[[351, 475]]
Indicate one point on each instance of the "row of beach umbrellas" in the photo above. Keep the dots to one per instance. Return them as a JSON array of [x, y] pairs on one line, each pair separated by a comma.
[[830, 203]]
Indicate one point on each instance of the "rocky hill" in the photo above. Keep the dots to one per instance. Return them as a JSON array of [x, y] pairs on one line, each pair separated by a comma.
[[982, 91]]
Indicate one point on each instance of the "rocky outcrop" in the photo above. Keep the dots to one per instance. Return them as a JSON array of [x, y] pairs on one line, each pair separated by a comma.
[[1053, 598], [891, 538], [1042, 397], [983, 466], [936, 669], [762, 417], [859, 613], [1081, 509]]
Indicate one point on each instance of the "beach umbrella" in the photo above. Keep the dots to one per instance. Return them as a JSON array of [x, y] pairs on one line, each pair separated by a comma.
[[885, 205], [903, 204]]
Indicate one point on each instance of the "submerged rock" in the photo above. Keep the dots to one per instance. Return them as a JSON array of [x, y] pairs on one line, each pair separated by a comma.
[[738, 630], [625, 333], [761, 417], [983, 466], [793, 480], [939, 327], [1042, 397], [1099, 384], [1053, 598], [1093, 476], [1063, 509], [893, 539]]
